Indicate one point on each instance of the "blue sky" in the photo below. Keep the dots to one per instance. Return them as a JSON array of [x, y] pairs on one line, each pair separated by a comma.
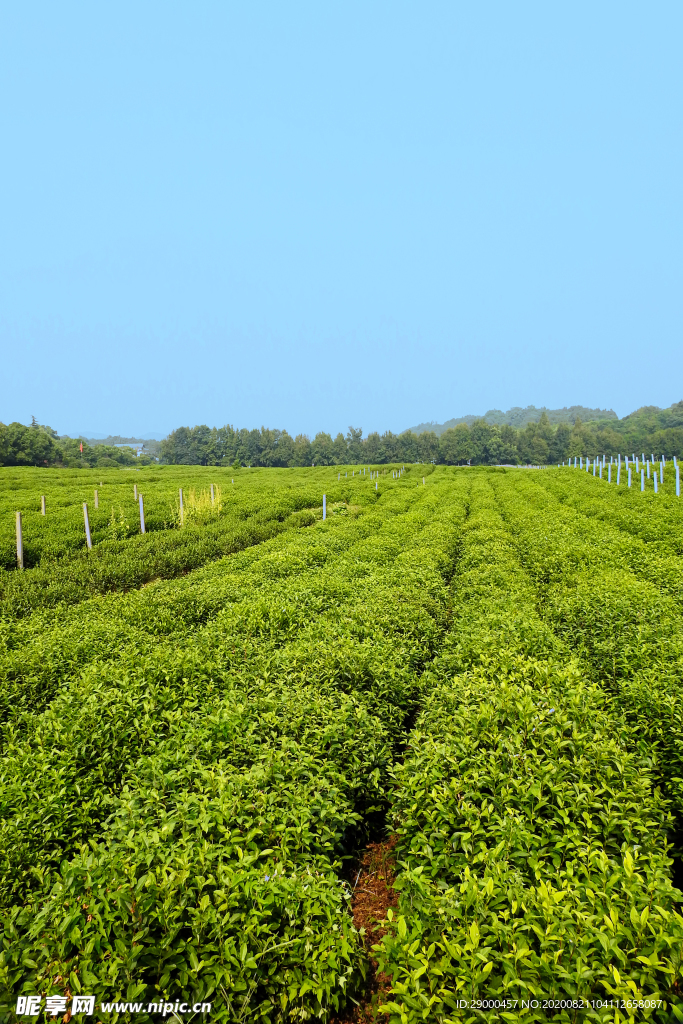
[[311, 215]]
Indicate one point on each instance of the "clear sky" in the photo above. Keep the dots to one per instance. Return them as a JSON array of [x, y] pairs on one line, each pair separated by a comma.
[[310, 215]]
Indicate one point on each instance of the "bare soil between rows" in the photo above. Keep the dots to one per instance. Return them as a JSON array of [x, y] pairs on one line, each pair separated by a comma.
[[373, 893]]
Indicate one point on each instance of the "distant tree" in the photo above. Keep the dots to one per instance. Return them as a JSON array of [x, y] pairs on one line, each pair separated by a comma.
[[341, 454], [322, 450], [481, 434], [559, 445], [354, 442], [455, 445], [427, 447], [285, 450], [576, 440], [374, 450], [302, 450]]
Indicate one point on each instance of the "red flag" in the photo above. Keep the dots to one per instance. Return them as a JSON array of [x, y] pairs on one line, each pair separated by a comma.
[[81, 446]]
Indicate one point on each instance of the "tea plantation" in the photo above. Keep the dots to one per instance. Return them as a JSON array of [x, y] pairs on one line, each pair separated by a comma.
[[203, 726]]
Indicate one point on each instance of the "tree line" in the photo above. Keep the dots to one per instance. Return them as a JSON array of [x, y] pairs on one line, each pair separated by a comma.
[[652, 430], [40, 445], [480, 443]]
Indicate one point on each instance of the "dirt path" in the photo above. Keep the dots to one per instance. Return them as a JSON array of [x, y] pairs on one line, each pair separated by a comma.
[[373, 894]]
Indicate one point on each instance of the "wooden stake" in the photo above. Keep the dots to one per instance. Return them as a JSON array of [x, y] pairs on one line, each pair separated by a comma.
[[42, 504], [20, 543], [135, 491], [88, 540], [142, 515]]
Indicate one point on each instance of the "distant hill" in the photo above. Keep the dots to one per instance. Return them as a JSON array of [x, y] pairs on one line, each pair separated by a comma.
[[518, 417]]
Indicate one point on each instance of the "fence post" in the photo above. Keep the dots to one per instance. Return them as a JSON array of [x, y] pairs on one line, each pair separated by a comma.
[[42, 504], [88, 540], [97, 500], [182, 516], [324, 506], [20, 543], [142, 515]]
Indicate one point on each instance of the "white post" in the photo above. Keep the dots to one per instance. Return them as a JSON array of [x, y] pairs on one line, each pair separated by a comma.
[[637, 466], [375, 485], [97, 500], [324, 506], [423, 481], [88, 540], [642, 480], [135, 491], [618, 473], [678, 481], [648, 470], [655, 483], [609, 473], [142, 515], [629, 477], [212, 494], [182, 511], [42, 504], [20, 543]]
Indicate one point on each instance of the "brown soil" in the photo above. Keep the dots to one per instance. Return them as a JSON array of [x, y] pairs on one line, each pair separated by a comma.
[[373, 894]]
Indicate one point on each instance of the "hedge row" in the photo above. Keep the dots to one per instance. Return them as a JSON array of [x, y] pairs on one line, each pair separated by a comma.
[[532, 840], [180, 824]]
